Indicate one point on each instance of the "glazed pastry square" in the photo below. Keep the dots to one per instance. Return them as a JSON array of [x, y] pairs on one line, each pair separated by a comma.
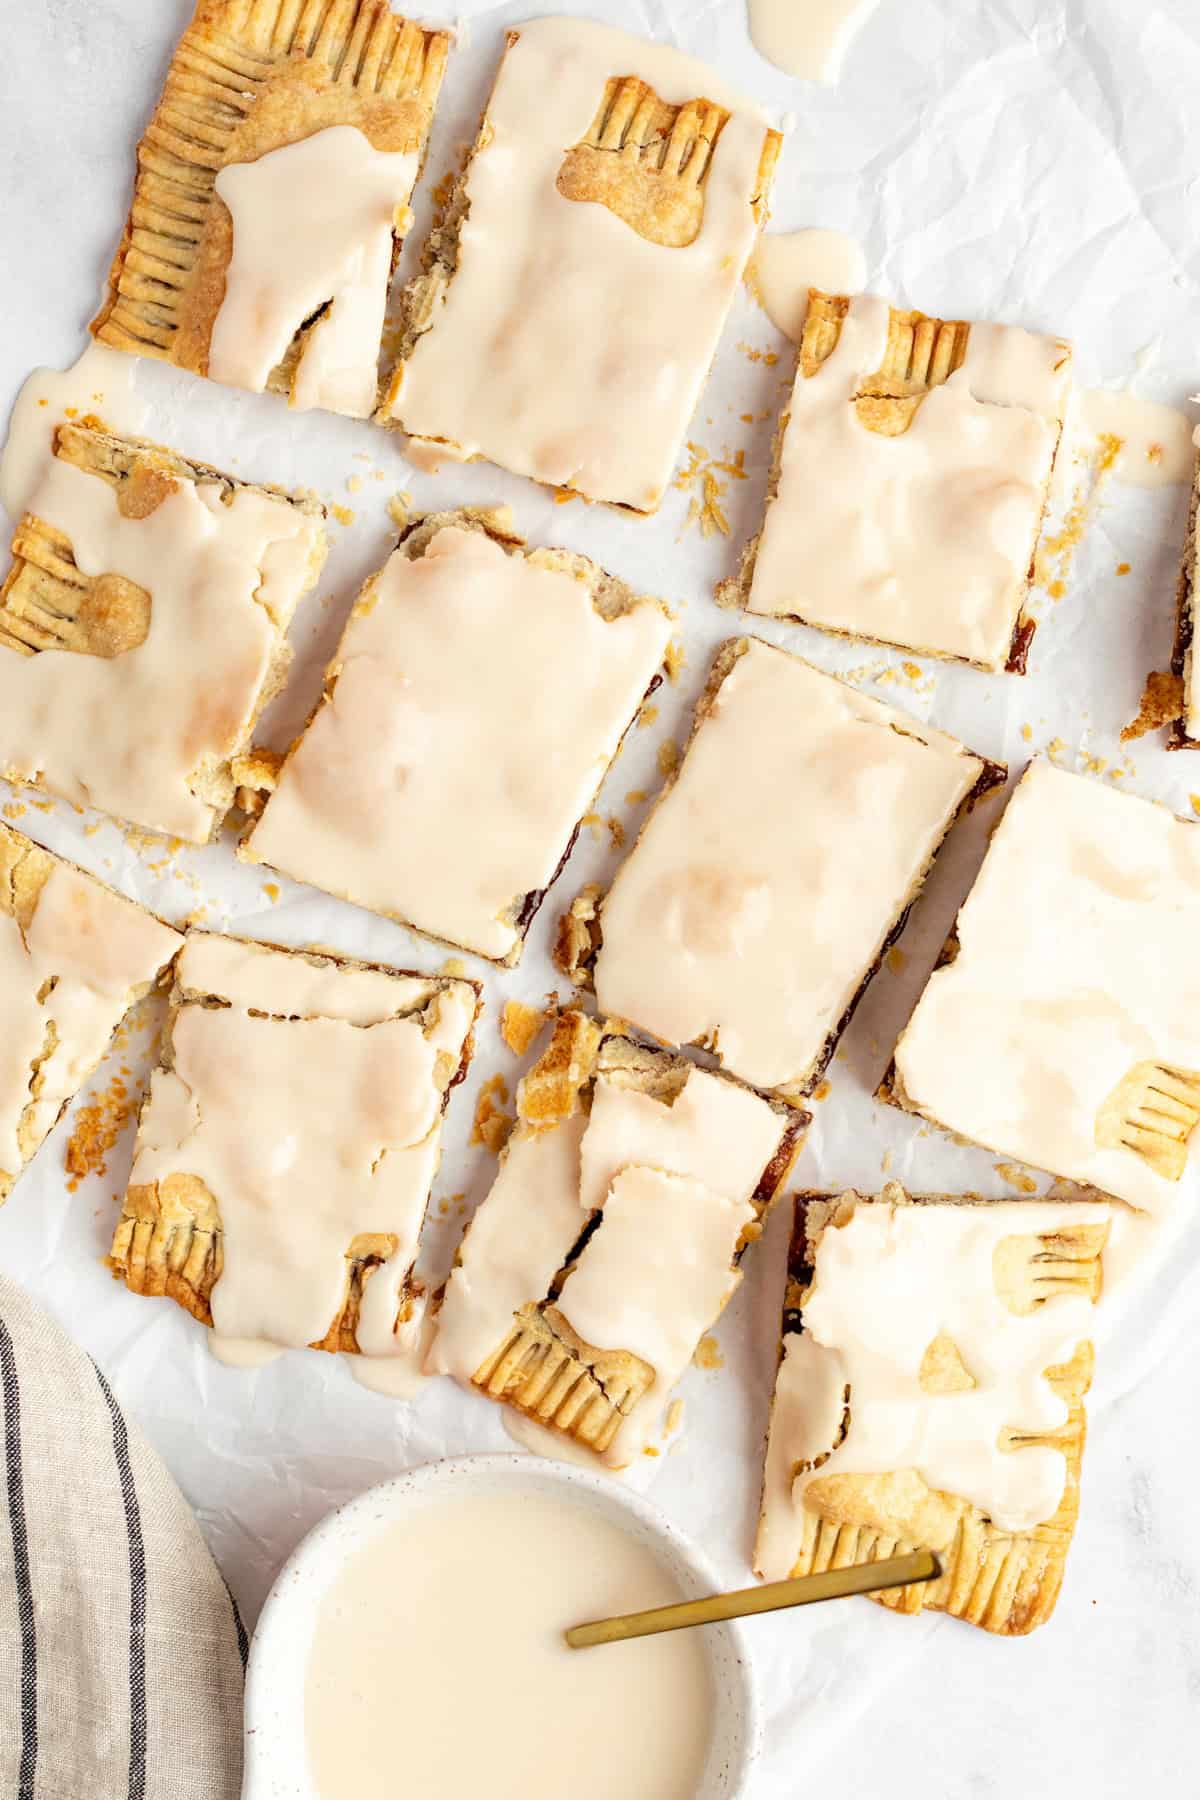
[[74, 957], [936, 1352], [143, 628], [612, 1236], [272, 196], [1185, 731], [576, 284], [775, 869], [910, 479], [476, 699], [287, 1144], [1063, 1026]]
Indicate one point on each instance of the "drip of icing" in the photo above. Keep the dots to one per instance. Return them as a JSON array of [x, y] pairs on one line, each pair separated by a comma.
[[312, 228], [808, 38], [786, 264], [243, 1353], [99, 383], [1157, 444]]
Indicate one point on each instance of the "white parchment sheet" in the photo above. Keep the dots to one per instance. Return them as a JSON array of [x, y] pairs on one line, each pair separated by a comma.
[[1029, 160]]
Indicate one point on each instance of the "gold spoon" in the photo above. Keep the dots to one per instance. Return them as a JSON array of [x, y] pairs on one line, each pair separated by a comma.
[[801, 1590]]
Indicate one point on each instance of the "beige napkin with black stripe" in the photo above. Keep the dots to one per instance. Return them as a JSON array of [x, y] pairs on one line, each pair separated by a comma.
[[121, 1650]]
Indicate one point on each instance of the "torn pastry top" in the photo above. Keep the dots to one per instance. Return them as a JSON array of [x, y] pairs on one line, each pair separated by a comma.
[[303, 1102], [74, 957], [1066, 1029], [272, 188], [749, 925], [912, 478], [608, 210], [141, 628], [927, 1336], [674, 1163], [477, 696]]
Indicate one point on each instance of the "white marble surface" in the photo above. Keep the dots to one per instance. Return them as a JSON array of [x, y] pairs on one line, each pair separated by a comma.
[[1037, 160]]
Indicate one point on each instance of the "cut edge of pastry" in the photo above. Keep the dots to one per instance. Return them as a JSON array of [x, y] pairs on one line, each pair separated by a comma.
[[257, 773], [1005, 1582], [341, 61], [922, 351], [25, 868], [168, 1241], [422, 294], [580, 931], [542, 1367], [1183, 650], [47, 603]]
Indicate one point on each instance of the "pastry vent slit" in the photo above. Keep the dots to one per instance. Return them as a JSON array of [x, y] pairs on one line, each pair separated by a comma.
[[1153, 1112]]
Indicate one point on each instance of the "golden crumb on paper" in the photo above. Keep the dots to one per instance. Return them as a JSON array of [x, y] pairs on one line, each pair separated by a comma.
[[1015, 1177], [344, 515], [896, 959], [519, 1025], [707, 479], [647, 715], [635, 796], [1161, 702], [708, 1354], [675, 660], [1123, 568], [674, 1418], [397, 509], [97, 1127], [271, 890], [492, 1124], [1056, 553], [668, 757], [453, 965]]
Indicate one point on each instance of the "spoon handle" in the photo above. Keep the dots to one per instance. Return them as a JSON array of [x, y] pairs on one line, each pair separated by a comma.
[[800, 1590]]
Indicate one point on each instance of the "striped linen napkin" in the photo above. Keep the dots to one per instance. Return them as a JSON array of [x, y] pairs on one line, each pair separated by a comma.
[[121, 1649]]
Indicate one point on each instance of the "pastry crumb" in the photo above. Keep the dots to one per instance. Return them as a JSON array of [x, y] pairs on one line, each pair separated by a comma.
[[668, 757], [647, 715], [397, 509], [616, 831], [1015, 1177], [453, 965], [896, 959], [1123, 568], [675, 660], [492, 1124], [708, 1353], [271, 890], [821, 1092], [345, 515], [885, 1161], [635, 796], [707, 478], [674, 1416], [98, 1125], [1027, 732], [1161, 702], [519, 1025]]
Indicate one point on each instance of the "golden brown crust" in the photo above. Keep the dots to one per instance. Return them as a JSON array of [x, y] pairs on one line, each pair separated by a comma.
[[169, 1238], [1006, 1582], [250, 76], [580, 931], [1185, 625]]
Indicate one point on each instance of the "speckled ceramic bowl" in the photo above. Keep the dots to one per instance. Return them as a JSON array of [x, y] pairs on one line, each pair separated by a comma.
[[276, 1759]]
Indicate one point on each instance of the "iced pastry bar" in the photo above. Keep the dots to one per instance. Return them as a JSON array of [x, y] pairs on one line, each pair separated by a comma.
[[612, 1236], [143, 627], [575, 286], [287, 1144], [272, 196], [911, 474], [936, 1352], [476, 699], [74, 957], [1063, 1025], [774, 870], [1185, 732]]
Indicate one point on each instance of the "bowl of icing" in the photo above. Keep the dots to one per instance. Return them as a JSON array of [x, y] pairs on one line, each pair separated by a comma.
[[412, 1643]]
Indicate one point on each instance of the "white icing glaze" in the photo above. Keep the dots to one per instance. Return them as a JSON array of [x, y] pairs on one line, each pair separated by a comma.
[[312, 224], [714, 1135], [1060, 987], [786, 264], [100, 382], [98, 950], [483, 1587], [567, 347], [235, 1111], [888, 1282], [924, 539], [223, 580], [754, 918], [1156, 441], [652, 1279], [808, 38], [442, 741]]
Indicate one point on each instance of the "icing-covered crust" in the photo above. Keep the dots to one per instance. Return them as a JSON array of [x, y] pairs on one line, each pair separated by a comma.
[[1060, 1027], [576, 282], [927, 543], [249, 1026], [188, 655], [251, 78], [417, 790], [74, 957], [735, 950], [822, 1508], [605, 1121]]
